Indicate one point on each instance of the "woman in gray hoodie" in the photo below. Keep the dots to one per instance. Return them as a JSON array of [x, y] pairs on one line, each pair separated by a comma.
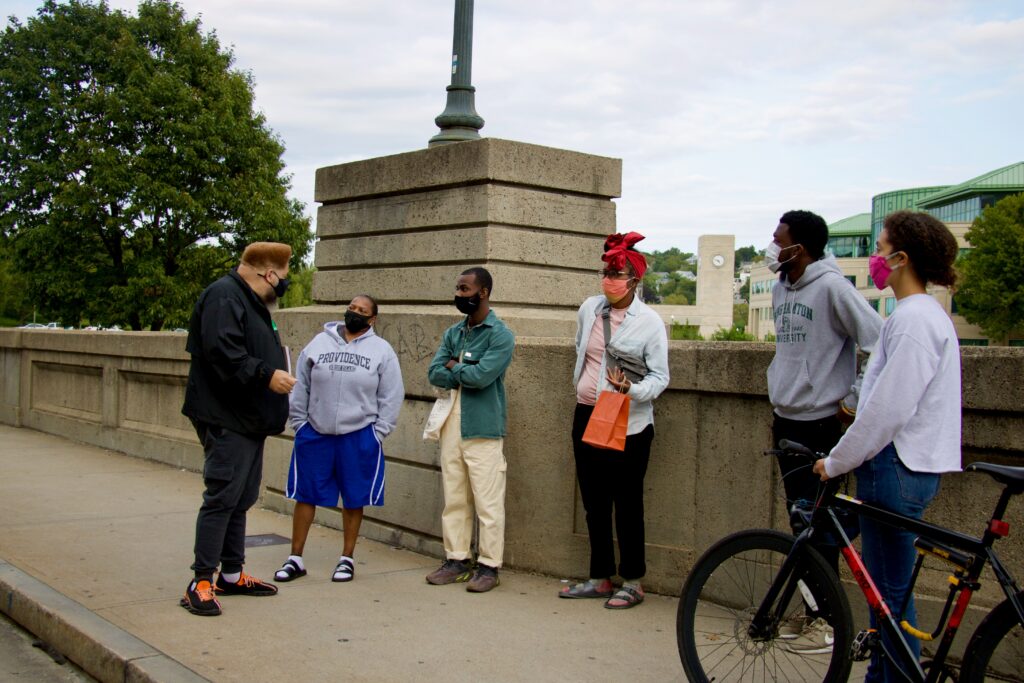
[[346, 399]]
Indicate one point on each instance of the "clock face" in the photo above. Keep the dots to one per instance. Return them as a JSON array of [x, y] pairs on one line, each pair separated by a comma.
[[718, 260]]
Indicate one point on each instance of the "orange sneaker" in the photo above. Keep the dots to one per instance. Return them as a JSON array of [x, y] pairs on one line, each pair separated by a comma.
[[246, 585]]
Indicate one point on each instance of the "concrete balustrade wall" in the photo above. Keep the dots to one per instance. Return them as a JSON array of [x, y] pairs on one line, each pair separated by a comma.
[[707, 474]]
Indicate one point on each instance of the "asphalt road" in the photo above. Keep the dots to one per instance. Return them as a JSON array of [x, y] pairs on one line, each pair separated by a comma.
[[21, 662]]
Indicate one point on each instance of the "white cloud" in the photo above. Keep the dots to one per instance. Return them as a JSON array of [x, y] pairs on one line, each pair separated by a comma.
[[725, 113]]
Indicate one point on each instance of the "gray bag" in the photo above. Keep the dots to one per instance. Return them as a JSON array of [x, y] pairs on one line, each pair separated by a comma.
[[634, 366]]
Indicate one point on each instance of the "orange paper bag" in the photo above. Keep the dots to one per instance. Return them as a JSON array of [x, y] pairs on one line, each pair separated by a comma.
[[607, 425]]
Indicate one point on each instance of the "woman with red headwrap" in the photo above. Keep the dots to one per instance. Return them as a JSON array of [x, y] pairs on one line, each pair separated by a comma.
[[613, 479]]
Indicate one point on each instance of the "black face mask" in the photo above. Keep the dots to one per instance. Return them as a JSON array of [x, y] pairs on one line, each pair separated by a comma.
[[281, 287], [354, 322], [468, 304]]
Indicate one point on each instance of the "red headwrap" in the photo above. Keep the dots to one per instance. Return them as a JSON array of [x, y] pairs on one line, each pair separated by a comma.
[[618, 249]]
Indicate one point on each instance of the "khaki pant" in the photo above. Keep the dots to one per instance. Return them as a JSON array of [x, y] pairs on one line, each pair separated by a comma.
[[473, 474]]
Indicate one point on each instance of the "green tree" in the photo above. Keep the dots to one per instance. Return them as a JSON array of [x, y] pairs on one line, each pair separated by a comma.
[[133, 167], [300, 289], [670, 261], [734, 333], [15, 307], [675, 300], [991, 289], [740, 312], [744, 254]]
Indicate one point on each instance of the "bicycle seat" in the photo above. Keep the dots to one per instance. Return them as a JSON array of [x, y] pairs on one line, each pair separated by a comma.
[[1004, 474]]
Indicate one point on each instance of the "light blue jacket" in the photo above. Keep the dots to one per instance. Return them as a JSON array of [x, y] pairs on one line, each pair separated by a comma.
[[642, 333]]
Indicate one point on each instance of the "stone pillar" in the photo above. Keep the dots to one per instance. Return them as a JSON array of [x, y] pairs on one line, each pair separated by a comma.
[[401, 225]]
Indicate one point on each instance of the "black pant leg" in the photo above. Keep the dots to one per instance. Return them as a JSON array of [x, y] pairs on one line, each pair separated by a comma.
[[798, 479], [628, 495], [594, 474], [233, 552], [229, 459]]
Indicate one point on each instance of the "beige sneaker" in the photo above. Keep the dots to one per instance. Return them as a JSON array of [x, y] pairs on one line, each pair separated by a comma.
[[791, 628], [816, 639]]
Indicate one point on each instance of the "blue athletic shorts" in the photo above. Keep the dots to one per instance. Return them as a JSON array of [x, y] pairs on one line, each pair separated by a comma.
[[325, 466]]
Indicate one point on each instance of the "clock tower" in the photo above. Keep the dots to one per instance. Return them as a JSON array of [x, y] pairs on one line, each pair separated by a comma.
[[715, 275]]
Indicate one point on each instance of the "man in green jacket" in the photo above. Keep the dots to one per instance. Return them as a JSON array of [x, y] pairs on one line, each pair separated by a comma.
[[472, 360]]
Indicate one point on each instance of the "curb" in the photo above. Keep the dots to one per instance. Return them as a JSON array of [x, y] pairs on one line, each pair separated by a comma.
[[102, 650]]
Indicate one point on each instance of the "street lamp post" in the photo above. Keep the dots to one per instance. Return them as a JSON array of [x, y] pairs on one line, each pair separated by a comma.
[[459, 120]]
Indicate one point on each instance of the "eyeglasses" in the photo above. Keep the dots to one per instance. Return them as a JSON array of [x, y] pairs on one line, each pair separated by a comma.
[[614, 274]]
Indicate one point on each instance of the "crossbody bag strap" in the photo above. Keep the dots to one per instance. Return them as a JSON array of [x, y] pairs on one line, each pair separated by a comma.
[[606, 314]]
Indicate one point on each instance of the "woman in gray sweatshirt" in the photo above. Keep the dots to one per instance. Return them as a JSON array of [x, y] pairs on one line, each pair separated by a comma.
[[346, 399]]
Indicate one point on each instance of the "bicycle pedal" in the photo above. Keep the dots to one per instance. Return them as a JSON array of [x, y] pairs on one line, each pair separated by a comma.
[[863, 644]]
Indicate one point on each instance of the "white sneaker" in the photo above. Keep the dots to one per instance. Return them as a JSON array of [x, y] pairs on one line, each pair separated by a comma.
[[816, 639]]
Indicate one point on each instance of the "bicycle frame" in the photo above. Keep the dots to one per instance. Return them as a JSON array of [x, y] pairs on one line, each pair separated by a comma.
[[979, 549]]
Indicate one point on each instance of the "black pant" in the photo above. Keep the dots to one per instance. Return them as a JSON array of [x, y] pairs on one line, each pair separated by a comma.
[[613, 479], [797, 477], [232, 471]]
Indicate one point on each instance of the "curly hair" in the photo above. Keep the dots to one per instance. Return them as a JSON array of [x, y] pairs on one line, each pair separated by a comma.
[[928, 244], [808, 229]]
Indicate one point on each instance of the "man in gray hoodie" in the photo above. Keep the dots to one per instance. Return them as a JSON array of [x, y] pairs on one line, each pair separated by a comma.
[[820, 320]]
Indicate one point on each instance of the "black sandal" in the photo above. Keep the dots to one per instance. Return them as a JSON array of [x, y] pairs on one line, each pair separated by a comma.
[[344, 571], [289, 571]]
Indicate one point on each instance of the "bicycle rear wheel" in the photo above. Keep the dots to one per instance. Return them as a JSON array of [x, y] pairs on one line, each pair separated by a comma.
[[996, 650], [724, 591]]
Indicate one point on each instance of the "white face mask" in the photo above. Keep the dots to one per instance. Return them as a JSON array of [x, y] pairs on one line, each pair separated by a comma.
[[771, 256]]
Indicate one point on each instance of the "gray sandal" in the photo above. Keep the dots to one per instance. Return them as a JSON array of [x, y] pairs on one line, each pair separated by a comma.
[[631, 596], [584, 590]]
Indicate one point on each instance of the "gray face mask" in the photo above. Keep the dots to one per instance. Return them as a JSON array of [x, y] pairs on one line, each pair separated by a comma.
[[771, 256]]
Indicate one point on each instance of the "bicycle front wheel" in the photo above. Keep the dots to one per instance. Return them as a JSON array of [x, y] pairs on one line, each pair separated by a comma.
[[996, 650], [725, 590]]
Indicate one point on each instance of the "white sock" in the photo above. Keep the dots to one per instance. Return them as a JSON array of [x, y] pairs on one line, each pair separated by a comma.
[[297, 559], [635, 585], [231, 578], [344, 572]]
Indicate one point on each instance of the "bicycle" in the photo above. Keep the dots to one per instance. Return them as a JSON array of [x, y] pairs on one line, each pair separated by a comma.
[[751, 582]]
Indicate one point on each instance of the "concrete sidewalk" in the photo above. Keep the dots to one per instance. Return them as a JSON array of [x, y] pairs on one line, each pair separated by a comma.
[[94, 554]]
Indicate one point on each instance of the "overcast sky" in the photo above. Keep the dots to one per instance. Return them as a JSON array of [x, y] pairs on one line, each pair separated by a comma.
[[725, 114]]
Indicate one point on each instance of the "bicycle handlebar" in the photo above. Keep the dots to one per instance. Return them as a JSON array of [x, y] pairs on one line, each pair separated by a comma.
[[787, 447]]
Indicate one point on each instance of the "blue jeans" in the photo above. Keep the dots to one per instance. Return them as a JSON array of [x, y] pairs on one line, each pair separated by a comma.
[[889, 553]]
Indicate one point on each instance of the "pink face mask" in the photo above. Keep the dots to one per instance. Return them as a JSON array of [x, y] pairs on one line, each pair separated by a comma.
[[879, 268], [614, 290]]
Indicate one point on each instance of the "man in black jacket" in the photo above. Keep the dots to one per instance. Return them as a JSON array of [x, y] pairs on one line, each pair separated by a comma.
[[237, 396]]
